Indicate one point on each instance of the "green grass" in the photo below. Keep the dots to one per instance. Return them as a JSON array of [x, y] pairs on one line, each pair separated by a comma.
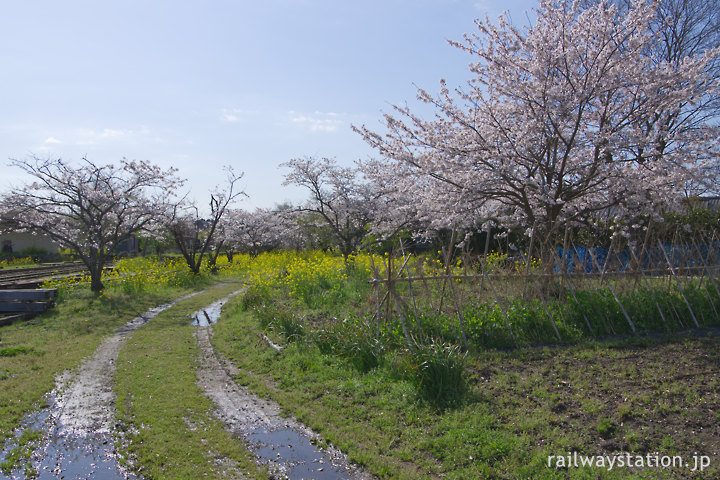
[[166, 417], [20, 455], [517, 407], [12, 351], [420, 410]]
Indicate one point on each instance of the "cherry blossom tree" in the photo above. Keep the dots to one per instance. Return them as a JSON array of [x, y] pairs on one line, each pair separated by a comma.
[[89, 208], [340, 199], [688, 28], [194, 235], [561, 120], [260, 230]]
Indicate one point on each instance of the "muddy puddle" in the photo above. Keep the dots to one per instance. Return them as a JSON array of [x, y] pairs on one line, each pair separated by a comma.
[[292, 455], [211, 314], [289, 449], [76, 434], [61, 454]]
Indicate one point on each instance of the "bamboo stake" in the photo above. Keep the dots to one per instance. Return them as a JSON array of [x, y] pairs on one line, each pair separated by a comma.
[[523, 276], [566, 281], [547, 310], [607, 259], [612, 290], [670, 262], [461, 319], [419, 266], [562, 259], [409, 279], [388, 281], [488, 230], [672, 271], [650, 289], [530, 249], [376, 281], [388, 269], [710, 282], [702, 276], [497, 300], [674, 310], [447, 267], [401, 314], [609, 326]]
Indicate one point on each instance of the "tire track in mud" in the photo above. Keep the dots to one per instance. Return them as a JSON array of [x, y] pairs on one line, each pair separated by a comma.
[[286, 446], [79, 421]]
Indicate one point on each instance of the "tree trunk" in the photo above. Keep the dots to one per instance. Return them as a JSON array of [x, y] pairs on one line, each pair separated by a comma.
[[96, 284], [195, 266]]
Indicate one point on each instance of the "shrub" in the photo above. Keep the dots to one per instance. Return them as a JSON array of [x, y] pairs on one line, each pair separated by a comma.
[[280, 321], [288, 325], [354, 341], [254, 296], [365, 353], [438, 373]]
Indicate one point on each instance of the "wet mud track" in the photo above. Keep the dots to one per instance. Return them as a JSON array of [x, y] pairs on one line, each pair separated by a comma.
[[77, 426], [288, 448]]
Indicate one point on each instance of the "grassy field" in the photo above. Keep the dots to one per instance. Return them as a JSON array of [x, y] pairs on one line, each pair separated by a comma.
[[424, 409], [519, 408], [429, 410]]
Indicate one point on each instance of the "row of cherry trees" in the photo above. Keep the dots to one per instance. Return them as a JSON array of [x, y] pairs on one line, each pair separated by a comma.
[[92, 209], [598, 109]]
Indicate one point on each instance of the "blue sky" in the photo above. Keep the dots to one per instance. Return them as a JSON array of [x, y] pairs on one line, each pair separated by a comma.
[[202, 84]]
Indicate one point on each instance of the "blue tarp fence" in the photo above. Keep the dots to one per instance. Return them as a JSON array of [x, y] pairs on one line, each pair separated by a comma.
[[594, 260]]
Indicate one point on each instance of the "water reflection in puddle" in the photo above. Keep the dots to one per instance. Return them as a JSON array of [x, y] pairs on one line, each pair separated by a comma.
[[294, 455], [81, 457], [69, 452], [211, 314], [63, 455]]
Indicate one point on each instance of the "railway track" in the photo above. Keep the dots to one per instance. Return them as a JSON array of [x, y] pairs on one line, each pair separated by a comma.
[[34, 276]]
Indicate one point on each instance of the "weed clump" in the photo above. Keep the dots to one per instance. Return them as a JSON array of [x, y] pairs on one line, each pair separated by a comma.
[[12, 351], [353, 341], [437, 370]]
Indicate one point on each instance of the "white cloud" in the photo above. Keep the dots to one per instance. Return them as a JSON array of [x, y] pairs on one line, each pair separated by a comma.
[[67, 139], [327, 122], [482, 5], [234, 115], [112, 133], [87, 136]]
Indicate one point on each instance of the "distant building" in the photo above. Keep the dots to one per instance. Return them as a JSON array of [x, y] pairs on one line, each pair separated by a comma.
[[129, 247], [17, 242]]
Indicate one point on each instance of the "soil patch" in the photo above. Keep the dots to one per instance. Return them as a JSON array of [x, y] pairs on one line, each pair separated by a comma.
[[646, 398]]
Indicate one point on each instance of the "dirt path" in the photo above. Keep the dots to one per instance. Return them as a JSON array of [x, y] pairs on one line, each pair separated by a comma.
[[286, 446], [78, 425], [77, 441]]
